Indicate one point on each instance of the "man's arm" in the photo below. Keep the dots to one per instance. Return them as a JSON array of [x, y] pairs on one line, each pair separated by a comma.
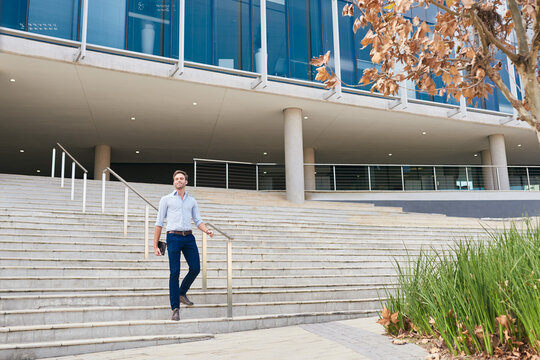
[[196, 216], [157, 234], [202, 226], [162, 213]]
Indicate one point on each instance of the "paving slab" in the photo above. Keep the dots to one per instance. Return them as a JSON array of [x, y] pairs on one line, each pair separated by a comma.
[[357, 339]]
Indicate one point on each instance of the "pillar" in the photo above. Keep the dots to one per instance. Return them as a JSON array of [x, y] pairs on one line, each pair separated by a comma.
[[102, 159], [309, 170], [487, 172], [294, 157], [498, 159]]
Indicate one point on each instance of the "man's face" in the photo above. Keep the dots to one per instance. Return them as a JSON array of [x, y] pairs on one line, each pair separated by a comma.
[[179, 181]]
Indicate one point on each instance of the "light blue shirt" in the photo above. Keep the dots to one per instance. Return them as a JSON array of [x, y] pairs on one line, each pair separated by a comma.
[[178, 212]]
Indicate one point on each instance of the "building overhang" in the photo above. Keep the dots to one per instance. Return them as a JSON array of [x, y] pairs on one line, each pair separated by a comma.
[[82, 104]]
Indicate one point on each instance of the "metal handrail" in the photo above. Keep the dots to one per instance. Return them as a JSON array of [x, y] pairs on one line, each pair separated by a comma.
[[495, 169], [62, 172], [146, 236], [111, 171]]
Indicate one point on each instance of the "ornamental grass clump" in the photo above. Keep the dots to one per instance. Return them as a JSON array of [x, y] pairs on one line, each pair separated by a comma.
[[479, 297]]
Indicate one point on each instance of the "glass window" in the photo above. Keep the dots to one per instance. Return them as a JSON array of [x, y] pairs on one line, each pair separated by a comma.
[[13, 14], [277, 33], [198, 32], [107, 23], [149, 26], [58, 18]]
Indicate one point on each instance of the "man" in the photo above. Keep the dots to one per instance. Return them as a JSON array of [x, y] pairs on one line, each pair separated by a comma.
[[179, 208]]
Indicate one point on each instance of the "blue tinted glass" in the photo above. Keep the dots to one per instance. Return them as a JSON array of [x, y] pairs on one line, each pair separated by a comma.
[[107, 23], [13, 14], [504, 104], [227, 22], [149, 26], [277, 34], [58, 18], [255, 43], [347, 47], [298, 39], [199, 30]]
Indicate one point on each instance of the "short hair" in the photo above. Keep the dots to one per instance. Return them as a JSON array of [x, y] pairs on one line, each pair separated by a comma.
[[180, 172]]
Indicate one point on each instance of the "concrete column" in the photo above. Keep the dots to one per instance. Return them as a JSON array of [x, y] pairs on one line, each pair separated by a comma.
[[294, 159], [487, 172], [102, 159], [309, 170], [498, 159]]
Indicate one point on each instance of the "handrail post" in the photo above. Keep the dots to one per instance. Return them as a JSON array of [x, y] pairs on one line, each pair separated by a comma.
[[334, 174], [369, 176], [257, 177], [435, 178], [226, 175], [467, 177], [72, 180], [229, 279], [402, 179], [53, 161], [85, 176], [528, 179], [81, 54], [195, 173], [204, 260], [498, 179], [63, 169], [125, 210], [103, 177], [145, 232]]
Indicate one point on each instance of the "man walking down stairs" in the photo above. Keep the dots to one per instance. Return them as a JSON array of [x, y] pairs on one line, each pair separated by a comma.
[[179, 209]]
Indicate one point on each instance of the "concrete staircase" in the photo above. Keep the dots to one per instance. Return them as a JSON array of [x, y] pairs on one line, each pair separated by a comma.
[[72, 283]]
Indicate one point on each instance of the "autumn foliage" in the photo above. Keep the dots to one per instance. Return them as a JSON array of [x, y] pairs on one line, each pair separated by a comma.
[[462, 46]]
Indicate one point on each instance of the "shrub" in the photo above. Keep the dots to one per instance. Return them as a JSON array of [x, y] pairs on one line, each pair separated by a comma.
[[479, 296]]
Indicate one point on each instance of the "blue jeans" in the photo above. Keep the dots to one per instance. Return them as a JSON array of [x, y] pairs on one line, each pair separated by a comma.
[[187, 245]]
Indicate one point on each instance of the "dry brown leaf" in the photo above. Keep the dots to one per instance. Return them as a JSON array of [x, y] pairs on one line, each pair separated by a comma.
[[468, 3], [399, 342], [434, 350], [394, 317]]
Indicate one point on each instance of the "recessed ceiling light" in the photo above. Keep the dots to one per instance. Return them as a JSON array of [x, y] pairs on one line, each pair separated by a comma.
[[264, 172], [389, 154], [424, 133], [12, 80], [305, 117], [38, 170], [21, 150], [519, 145], [265, 153], [133, 118], [475, 154], [137, 151], [194, 104]]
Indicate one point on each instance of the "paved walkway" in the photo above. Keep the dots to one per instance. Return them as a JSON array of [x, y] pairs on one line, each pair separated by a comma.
[[358, 339]]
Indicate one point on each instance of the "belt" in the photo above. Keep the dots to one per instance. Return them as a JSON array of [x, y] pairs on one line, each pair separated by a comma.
[[183, 233]]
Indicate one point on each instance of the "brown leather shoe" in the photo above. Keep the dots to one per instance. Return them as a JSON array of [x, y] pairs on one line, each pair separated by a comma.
[[176, 314], [184, 300]]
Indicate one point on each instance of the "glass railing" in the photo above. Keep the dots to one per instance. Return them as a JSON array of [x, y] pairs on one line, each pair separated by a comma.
[[225, 33], [366, 177]]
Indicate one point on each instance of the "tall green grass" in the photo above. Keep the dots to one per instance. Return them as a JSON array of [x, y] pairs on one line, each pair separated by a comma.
[[477, 296]]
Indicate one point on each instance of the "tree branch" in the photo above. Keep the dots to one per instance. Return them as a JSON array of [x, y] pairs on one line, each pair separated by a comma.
[[442, 7], [518, 105], [518, 26], [499, 44]]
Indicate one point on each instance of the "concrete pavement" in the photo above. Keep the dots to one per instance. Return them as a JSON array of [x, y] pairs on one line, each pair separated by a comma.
[[357, 339]]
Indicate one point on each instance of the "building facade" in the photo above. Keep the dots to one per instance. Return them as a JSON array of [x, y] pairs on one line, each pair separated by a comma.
[[146, 85]]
